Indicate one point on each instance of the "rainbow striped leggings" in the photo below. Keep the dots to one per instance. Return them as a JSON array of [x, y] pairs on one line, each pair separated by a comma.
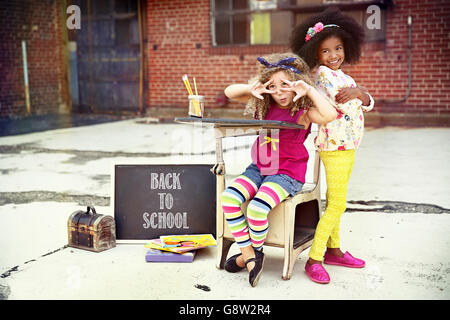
[[338, 168], [264, 198]]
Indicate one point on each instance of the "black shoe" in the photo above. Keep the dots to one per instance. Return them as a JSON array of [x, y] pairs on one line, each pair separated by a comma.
[[231, 265], [255, 273]]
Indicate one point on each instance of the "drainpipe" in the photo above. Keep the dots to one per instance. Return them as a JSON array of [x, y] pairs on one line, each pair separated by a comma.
[[408, 92], [73, 74], [141, 60], [25, 76]]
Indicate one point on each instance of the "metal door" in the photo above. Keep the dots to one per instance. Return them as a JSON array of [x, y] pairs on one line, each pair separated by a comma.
[[109, 56]]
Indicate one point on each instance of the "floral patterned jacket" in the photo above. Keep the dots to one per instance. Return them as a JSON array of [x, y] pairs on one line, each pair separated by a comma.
[[346, 131]]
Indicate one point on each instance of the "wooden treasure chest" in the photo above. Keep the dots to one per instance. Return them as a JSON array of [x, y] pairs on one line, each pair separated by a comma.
[[91, 231]]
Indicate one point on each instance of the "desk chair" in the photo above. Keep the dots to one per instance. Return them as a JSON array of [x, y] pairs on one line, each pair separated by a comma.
[[291, 224]]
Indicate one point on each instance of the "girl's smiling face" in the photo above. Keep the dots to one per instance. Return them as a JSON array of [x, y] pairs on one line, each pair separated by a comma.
[[282, 98], [331, 53]]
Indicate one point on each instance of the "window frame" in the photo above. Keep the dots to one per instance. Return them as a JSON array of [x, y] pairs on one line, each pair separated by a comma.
[[284, 6], [231, 13]]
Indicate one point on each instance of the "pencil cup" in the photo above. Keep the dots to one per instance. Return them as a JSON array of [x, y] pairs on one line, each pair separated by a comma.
[[196, 106]]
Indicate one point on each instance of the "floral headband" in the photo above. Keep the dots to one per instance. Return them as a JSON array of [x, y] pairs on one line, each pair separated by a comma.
[[316, 29], [284, 63]]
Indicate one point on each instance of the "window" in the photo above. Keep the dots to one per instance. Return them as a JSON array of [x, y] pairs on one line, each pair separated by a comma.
[[259, 22], [250, 22]]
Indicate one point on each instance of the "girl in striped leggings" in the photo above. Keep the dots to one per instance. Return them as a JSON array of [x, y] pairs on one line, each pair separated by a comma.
[[282, 92]]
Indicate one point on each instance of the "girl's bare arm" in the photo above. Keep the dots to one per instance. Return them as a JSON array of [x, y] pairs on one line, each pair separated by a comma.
[[322, 112], [242, 92], [239, 92]]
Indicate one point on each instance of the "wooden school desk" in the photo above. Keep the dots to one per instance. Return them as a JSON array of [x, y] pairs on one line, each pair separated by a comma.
[[242, 127]]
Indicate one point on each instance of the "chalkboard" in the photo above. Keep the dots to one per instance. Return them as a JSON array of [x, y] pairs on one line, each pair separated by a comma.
[[152, 200]]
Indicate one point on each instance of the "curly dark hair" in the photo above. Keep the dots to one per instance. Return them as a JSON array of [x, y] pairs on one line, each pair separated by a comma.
[[350, 32]]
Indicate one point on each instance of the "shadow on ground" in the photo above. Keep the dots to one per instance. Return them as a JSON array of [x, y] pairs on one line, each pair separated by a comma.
[[35, 123]]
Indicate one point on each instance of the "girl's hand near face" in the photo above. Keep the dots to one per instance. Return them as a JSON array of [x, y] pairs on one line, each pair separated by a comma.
[[257, 89], [300, 88]]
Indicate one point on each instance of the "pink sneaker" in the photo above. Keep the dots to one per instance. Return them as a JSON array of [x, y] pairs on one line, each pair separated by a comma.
[[346, 261], [317, 273]]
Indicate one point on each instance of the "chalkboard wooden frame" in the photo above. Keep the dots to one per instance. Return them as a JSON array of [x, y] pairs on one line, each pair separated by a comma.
[[208, 194]]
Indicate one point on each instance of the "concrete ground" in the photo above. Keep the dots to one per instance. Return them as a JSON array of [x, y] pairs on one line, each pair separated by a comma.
[[397, 219]]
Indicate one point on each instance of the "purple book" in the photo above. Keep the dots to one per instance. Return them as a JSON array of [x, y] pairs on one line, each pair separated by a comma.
[[155, 255]]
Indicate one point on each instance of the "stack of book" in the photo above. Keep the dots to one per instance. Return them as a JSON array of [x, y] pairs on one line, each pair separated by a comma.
[[177, 248]]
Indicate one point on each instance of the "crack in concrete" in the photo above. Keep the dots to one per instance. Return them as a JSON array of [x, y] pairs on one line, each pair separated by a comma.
[[80, 156], [397, 207], [8, 272], [85, 199], [44, 196], [88, 155], [83, 156]]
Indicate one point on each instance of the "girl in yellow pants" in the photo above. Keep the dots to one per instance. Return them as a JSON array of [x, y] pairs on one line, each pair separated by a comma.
[[326, 41], [338, 168]]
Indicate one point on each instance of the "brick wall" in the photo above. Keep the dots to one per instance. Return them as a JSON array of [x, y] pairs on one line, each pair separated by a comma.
[[39, 24], [383, 69], [179, 41]]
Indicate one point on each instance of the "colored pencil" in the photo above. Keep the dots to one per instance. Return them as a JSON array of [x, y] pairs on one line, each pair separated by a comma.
[[195, 86], [196, 103], [186, 83]]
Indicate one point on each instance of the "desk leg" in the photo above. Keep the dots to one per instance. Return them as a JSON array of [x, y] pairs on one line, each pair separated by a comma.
[[220, 186], [223, 245]]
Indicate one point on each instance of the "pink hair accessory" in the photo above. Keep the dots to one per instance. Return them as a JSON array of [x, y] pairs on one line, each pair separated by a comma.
[[318, 27], [312, 31]]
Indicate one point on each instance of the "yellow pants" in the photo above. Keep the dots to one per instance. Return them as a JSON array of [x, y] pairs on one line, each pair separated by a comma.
[[338, 168]]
